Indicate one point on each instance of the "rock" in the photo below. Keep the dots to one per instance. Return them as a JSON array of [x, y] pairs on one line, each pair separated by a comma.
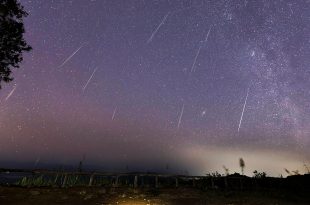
[[34, 192], [112, 191], [142, 195], [136, 191], [102, 191], [89, 196], [83, 192]]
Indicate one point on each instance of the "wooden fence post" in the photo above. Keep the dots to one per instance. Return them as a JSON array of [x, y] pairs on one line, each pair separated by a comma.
[[91, 179], [156, 182], [64, 181], [135, 184], [212, 183], [176, 182], [55, 180], [142, 181], [116, 181]]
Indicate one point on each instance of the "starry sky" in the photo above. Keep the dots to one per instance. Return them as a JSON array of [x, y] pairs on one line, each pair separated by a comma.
[[184, 85]]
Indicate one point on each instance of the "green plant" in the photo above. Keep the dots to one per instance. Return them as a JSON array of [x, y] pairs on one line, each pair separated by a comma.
[[71, 180], [33, 182], [23, 182], [38, 181]]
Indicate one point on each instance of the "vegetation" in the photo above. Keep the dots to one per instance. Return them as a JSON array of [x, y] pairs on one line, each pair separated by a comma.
[[214, 179], [242, 165], [287, 171], [213, 174], [12, 43], [259, 174], [226, 170], [307, 168], [34, 182]]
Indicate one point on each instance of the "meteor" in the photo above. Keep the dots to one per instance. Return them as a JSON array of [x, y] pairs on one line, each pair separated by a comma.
[[114, 113], [67, 59], [198, 52], [11, 93], [85, 86], [158, 27], [180, 117], [246, 98]]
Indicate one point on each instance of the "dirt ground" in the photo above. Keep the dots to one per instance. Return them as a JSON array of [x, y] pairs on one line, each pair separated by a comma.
[[126, 196]]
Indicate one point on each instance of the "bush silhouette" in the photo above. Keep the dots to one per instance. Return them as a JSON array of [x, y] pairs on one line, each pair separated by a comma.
[[259, 174]]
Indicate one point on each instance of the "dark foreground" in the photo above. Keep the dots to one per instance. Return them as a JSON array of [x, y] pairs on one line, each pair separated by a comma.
[[130, 196]]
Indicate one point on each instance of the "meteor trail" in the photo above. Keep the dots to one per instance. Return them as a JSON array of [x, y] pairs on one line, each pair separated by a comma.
[[158, 27], [85, 86], [198, 52], [11, 93], [65, 61], [37, 162], [246, 98], [206, 39], [180, 117], [114, 113]]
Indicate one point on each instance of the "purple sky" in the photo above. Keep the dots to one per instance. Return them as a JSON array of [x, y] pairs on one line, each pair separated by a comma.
[[150, 83]]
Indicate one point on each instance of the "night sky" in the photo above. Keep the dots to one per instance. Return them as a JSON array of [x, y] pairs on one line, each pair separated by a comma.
[[184, 86]]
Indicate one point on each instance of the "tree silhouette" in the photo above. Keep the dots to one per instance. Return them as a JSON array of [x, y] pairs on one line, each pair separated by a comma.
[[12, 43], [242, 165]]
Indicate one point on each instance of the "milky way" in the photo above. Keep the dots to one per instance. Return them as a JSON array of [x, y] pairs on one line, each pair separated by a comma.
[[153, 57]]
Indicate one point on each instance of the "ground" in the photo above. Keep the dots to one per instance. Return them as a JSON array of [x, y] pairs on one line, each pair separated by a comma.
[[128, 196]]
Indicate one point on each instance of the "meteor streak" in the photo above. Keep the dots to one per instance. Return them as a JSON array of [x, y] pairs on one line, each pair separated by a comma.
[[85, 86], [158, 27], [246, 98], [114, 113], [11, 93], [65, 61], [180, 117], [198, 52]]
